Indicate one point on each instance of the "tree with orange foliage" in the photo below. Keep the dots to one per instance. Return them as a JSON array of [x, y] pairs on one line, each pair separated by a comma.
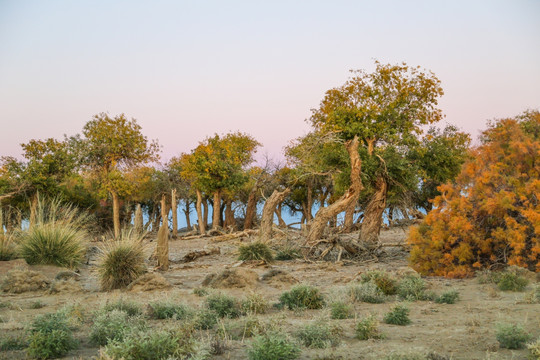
[[491, 215]]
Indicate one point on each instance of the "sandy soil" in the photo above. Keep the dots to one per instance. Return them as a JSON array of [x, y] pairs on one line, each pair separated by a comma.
[[465, 330]]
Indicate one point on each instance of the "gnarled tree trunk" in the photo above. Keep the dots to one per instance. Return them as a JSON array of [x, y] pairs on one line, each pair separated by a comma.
[[351, 195], [281, 222], [116, 214], [138, 221], [267, 220], [187, 211], [216, 209], [251, 209], [229, 213], [205, 212], [200, 217], [163, 238], [349, 217], [371, 226], [174, 207]]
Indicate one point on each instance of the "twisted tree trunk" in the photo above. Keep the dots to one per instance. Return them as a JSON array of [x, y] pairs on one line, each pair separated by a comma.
[[187, 212], [371, 226], [216, 210], [205, 212], [174, 207], [138, 221], [278, 214], [351, 196], [202, 222], [163, 238], [229, 213], [349, 217], [251, 209], [270, 205]]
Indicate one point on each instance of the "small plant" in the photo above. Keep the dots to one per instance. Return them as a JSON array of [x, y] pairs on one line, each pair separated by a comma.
[[413, 288], [206, 319], [398, 315], [7, 246], [13, 343], [113, 325], [273, 346], [367, 292], [448, 297], [511, 336], [384, 281], [130, 307], [288, 253], [255, 303], [534, 350], [37, 305], [168, 310], [50, 336], [320, 335], [367, 328], [223, 305], [255, 251], [533, 297], [340, 310], [509, 281], [201, 291], [302, 297], [121, 261]]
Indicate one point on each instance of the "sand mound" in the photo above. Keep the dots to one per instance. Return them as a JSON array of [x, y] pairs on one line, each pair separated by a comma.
[[278, 278], [5, 266], [19, 280], [149, 282], [529, 275], [65, 286], [232, 278]]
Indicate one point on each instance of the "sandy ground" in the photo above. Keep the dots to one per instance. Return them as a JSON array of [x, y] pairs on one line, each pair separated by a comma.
[[465, 330]]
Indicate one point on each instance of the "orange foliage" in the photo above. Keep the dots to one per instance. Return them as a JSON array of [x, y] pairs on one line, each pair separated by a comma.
[[491, 215]]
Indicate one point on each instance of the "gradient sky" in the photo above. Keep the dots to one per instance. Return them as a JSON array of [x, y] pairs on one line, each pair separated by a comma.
[[188, 69]]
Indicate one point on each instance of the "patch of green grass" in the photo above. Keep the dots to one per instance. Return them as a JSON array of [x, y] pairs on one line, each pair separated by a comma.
[[113, 325], [38, 304], [302, 297], [255, 303], [508, 281], [412, 288], [448, 297], [201, 291], [340, 310], [288, 253], [398, 315], [368, 328], [273, 346], [255, 251], [10, 343], [50, 337], [367, 292], [320, 335], [130, 307], [384, 281], [512, 336], [206, 319], [224, 305], [169, 310]]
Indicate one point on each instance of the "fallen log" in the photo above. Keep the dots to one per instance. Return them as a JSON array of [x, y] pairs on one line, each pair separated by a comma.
[[235, 235], [194, 255]]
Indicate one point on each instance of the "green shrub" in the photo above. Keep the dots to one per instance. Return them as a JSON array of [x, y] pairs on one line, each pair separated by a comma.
[[255, 251], [10, 343], [130, 307], [509, 281], [302, 297], [367, 328], [384, 281], [113, 325], [121, 261], [288, 253], [533, 297], [255, 304], [319, 335], [206, 319], [241, 329], [448, 297], [50, 337], [8, 249], [534, 350], [169, 310], [340, 310], [366, 292], [511, 336], [37, 305], [398, 315], [152, 344], [412, 288], [201, 291], [273, 346], [223, 305]]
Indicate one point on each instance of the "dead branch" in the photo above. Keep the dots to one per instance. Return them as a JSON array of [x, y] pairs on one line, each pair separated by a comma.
[[194, 255]]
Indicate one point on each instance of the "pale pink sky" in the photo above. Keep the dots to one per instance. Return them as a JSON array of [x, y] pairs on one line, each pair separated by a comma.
[[187, 69]]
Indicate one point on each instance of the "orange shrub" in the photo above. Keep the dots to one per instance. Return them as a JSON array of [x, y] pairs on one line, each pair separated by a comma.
[[491, 215]]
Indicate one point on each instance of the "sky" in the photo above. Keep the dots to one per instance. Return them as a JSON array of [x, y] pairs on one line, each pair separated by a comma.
[[188, 69]]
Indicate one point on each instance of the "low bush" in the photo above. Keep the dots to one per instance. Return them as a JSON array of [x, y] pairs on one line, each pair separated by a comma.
[[121, 261], [384, 281], [448, 297], [398, 315], [223, 305], [38, 304], [8, 250], [201, 291], [10, 343], [511, 336], [168, 310], [273, 346], [130, 307], [533, 297], [206, 319], [534, 350], [319, 335], [50, 336], [508, 281], [368, 328], [255, 303], [113, 325], [412, 288], [288, 253], [340, 310], [255, 251], [367, 292], [302, 297]]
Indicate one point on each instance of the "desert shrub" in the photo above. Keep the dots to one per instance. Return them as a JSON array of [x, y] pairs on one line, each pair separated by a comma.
[[206, 319], [8, 250], [384, 281], [273, 346], [448, 297], [38, 304], [255, 251], [10, 343], [413, 288], [223, 305], [340, 310], [288, 253], [368, 328], [534, 350], [366, 292], [50, 336], [511, 336], [168, 310], [508, 281], [201, 291], [130, 307], [302, 297], [255, 303], [319, 335], [483, 217], [533, 297], [121, 261], [398, 315], [238, 330], [113, 325], [152, 344]]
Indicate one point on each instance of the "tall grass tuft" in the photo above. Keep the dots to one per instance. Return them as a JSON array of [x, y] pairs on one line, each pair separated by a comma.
[[255, 251], [121, 261], [8, 249]]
